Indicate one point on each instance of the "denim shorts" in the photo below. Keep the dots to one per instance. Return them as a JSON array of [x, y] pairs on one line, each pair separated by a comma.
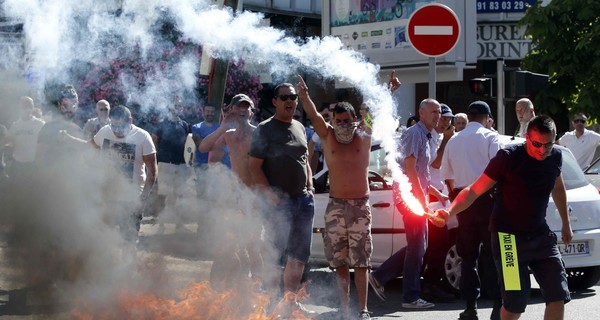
[[289, 229], [539, 254]]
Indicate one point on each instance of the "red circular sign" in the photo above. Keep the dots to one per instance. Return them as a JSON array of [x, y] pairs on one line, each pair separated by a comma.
[[433, 30]]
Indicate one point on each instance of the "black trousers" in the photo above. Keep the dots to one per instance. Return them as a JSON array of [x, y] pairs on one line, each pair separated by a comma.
[[473, 245]]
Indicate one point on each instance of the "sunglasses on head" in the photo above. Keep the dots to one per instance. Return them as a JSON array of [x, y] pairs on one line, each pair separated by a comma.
[[538, 144], [285, 97], [579, 121]]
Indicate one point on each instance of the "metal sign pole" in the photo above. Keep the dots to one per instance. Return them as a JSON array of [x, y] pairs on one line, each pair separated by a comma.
[[501, 115], [432, 77]]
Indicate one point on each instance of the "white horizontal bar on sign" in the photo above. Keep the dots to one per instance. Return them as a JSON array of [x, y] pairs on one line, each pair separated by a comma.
[[433, 30]]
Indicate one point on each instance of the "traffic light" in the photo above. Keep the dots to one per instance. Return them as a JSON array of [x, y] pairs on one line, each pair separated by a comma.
[[521, 84], [482, 86]]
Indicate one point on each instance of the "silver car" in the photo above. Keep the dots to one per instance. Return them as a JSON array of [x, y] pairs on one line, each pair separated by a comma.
[[581, 256]]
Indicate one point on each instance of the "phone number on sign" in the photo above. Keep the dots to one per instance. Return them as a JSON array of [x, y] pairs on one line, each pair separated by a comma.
[[487, 6]]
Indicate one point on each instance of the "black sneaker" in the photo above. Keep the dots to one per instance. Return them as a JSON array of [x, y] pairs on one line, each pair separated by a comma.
[[468, 314], [377, 288]]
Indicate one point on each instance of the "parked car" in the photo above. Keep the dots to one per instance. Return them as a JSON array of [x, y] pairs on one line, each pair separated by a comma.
[[581, 256], [592, 174]]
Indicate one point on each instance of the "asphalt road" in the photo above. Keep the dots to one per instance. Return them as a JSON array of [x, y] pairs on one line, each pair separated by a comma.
[[184, 265]]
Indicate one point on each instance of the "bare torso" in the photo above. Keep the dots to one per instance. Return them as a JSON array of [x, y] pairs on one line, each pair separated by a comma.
[[238, 142], [348, 165]]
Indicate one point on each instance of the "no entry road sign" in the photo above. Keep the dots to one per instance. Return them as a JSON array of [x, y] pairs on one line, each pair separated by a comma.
[[433, 30]]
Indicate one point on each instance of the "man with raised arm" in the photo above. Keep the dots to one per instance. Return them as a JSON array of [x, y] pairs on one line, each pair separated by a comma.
[[346, 145]]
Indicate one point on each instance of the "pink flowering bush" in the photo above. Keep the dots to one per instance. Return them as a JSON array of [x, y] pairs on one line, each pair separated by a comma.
[[238, 81], [106, 81]]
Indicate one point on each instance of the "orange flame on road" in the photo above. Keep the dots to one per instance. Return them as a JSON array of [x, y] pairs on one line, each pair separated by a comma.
[[198, 301]]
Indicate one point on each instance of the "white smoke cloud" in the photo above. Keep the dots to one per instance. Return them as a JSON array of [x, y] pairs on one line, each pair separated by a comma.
[[62, 35]]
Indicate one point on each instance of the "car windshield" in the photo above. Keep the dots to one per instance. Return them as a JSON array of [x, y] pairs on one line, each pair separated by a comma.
[[572, 174], [377, 161], [594, 168]]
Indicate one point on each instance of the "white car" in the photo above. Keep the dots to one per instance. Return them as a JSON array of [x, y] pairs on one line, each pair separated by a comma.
[[581, 256]]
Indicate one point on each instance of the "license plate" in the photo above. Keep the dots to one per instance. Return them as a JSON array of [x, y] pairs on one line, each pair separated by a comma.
[[574, 248]]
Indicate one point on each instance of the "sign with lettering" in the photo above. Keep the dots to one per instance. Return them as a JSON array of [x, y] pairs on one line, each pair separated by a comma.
[[505, 40]]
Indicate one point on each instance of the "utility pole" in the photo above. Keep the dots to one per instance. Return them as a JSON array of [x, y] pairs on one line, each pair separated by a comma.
[[218, 74]]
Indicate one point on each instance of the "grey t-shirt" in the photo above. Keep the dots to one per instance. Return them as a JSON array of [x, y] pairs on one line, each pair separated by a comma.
[[283, 148], [58, 150]]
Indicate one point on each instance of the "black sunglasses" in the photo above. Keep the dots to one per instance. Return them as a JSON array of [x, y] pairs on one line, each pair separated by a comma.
[[103, 109], [579, 121], [285, 97], [538, 144]]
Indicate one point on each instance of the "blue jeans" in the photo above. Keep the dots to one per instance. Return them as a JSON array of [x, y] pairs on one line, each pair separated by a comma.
[[416, 243], [408, 260], [391, 268], [289, 229]]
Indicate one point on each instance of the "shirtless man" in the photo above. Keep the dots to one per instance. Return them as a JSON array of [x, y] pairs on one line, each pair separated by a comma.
[[235, 132], [346, 145]]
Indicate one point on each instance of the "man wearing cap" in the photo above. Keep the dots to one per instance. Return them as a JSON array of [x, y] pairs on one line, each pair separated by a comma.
[[437, 238], [235, 132], [466, 156]]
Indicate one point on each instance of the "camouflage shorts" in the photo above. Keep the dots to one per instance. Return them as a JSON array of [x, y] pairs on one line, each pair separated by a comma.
[[347, 236]]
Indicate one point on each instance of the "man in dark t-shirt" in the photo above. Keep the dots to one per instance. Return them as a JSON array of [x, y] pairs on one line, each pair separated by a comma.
[[278, 165], [53, 149], [525, 175], [169, 138]]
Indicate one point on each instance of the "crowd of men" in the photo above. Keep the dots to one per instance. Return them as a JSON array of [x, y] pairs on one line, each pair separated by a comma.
[[454, 163]]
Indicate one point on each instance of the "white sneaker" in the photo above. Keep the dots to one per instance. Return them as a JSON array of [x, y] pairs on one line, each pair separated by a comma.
[[418, 304], [377, 288]]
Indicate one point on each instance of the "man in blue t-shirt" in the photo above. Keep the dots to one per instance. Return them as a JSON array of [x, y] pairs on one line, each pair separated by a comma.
[[202, 130], [525, 176]]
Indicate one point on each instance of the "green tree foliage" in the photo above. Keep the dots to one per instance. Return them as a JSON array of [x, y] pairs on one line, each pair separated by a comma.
[[566, 45]]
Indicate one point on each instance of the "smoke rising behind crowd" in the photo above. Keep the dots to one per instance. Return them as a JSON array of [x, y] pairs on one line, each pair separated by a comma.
[[66, 210]]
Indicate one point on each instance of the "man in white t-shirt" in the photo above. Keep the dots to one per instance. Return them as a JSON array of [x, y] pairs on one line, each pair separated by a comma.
[[23, 136], [135, 154], [581, 141]]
